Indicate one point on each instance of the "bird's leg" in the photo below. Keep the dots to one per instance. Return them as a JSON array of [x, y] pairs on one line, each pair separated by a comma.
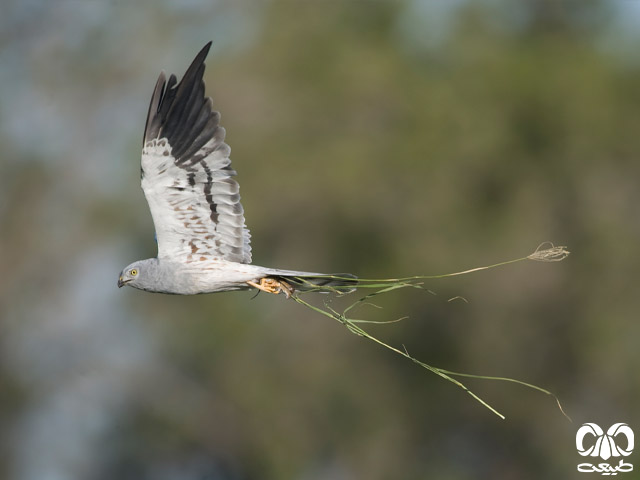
[[272, 285]]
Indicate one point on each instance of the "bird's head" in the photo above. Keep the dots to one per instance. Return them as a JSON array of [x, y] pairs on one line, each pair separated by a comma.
[[134, 274]]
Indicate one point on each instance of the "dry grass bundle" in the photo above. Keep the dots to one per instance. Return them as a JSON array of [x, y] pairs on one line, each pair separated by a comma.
[[546, 252]]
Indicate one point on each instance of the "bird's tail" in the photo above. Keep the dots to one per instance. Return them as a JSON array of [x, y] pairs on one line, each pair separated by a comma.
[[329, 283]]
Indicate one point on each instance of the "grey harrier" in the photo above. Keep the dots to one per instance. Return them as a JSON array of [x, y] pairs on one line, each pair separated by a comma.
[[203, 243]]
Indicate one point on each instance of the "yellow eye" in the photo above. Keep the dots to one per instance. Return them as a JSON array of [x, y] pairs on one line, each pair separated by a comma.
[[134, 272]]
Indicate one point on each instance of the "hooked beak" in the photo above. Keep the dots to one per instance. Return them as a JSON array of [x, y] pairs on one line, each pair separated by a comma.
[[122, 283]]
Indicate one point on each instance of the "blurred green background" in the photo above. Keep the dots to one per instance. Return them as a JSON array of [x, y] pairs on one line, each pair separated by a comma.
[[380, 138]]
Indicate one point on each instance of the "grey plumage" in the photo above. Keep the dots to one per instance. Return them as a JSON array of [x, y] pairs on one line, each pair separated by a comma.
[[186, 175]]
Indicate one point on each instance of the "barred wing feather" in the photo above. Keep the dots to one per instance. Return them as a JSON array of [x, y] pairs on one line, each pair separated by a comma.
[[187, 176]]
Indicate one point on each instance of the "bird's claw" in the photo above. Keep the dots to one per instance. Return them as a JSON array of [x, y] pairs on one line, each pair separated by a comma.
[[272, 285]]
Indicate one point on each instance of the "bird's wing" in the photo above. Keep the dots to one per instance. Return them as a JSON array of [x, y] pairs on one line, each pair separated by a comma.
[[187, 176]]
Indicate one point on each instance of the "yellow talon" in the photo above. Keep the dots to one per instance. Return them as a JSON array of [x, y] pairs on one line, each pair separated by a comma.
[[271, 285]]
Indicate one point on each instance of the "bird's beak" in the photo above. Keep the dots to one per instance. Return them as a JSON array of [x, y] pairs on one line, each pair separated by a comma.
[[121, 282]]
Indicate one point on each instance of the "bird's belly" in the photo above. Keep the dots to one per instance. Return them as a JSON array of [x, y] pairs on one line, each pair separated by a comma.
[[213, 279]]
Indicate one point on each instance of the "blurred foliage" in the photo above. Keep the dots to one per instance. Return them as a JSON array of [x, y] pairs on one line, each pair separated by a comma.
[[359, 148]]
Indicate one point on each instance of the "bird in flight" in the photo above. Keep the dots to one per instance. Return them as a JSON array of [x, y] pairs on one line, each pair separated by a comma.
[[187, 179]]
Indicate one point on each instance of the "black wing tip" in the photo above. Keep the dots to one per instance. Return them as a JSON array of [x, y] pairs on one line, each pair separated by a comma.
[[206, 48], [199, 58], [156, 98], [162, 119]]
